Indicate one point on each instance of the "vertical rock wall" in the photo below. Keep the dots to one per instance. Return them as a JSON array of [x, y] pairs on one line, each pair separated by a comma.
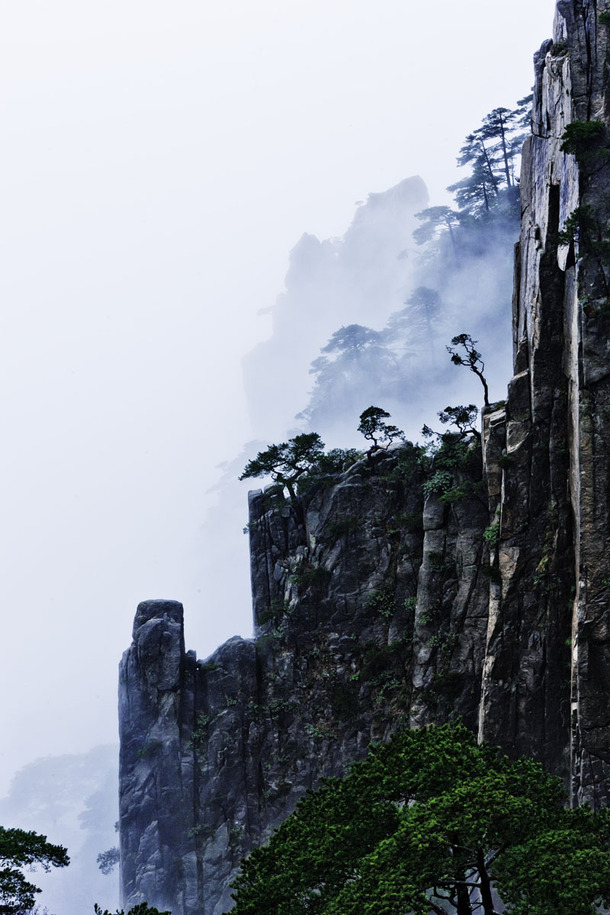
[[547, 668]]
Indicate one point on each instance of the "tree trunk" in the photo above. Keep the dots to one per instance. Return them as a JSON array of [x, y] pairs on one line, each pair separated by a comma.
[[463, 899], [486, 899]]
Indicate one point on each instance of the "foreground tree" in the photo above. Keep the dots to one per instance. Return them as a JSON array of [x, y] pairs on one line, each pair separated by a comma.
[[286, 462], [142, 908], [429, 823], [19, 849]]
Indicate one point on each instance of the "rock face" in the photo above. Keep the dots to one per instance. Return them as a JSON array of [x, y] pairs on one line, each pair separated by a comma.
[[368, 611], [385, 597], [545, 687]]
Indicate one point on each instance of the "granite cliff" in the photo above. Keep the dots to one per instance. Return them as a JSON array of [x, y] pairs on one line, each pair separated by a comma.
[[379, 598]]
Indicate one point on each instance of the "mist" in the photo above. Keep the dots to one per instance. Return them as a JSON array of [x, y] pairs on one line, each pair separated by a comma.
[[160, 166]]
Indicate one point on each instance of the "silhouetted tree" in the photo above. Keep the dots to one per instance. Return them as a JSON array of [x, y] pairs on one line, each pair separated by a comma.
[[19, 849], [469, 357], [286, 462], [376, 430], [142, 908]]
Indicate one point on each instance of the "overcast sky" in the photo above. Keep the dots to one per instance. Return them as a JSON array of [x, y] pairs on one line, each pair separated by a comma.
[[159, 160]]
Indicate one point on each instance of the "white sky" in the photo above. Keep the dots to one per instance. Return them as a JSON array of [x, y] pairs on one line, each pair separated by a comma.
[[159, 160]]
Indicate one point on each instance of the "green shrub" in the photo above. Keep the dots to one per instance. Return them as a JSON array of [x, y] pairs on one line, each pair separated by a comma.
[[559, 49], [312, 578], [276, 611], [383, 602], [491, 534], [582, 138]]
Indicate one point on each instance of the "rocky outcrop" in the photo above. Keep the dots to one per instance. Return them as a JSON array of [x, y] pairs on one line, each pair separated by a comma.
[[391, 595], [547, 659], [368, 611]]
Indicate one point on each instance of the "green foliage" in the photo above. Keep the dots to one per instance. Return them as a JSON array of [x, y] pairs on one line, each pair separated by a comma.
[[446, 489], [142, 908], [409, 461], [20, 849], [377, 431], [427, 823], [583, 138], [286, 462], [200, 731], [383, 602], [491, 534], [593, 238], [276, 611], [440, 482], [577, 226], [462, 417], [453, 455], [604, 18], [559, 49]]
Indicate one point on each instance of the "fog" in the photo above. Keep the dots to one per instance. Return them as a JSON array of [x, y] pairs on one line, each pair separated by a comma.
[[160, 163]]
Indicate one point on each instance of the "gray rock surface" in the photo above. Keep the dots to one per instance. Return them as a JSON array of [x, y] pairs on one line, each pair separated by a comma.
[[547, 667], [216, 753]]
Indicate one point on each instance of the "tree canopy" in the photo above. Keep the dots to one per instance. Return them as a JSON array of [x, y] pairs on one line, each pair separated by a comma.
[[19, 849], [375, 429], [488, 191], [142, 908], [286, 462], [432, 822]]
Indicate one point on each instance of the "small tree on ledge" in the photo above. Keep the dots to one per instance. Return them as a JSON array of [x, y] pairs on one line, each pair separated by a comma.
[[470, 357], [286, 462], [376, 430]]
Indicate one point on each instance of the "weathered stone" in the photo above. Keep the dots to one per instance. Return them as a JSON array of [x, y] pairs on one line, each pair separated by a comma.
[[216, 753]]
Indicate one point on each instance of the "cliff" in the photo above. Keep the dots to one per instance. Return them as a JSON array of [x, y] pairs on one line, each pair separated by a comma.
[[394, 592], [369, 609]]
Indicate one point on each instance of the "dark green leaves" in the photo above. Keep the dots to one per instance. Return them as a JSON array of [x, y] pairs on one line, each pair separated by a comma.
[[286, 462], [428, 820]]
